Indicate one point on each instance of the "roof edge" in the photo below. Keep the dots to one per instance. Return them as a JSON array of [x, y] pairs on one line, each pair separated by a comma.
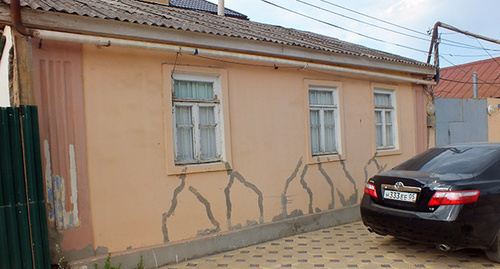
[[71, 23]]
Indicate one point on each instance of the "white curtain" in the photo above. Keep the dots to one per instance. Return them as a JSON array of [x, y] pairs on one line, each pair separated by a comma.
[[329, 118], [193, 90], [388, 129], [382, 100], [315, 130], [184, 130], [207, 133], [378, 128], [321, 97]]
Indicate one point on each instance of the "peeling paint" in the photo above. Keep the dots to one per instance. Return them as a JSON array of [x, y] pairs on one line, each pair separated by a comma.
[[380, 168], [166, 215], [353, 199], [227, 190], [56, 192], [210, 215], [309, 191], [284, 199], [330, 182]]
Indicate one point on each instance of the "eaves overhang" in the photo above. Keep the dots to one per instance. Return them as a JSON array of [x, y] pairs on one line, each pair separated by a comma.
[[71, 23]]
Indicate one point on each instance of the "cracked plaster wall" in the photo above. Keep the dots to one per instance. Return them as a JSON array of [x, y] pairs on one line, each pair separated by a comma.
[[270, 178]]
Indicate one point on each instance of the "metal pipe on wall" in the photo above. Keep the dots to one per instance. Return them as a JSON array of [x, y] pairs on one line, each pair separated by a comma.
[[474, 83], [103, 41]]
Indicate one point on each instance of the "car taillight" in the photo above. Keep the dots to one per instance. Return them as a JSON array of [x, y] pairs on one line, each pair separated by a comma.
[[370, 190], [453, 197]]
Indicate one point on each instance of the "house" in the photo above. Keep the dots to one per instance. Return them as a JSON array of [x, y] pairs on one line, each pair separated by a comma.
[[170, 132], [461, 115]]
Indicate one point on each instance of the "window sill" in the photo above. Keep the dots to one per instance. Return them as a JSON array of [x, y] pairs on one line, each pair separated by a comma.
[[387, 152], [180, 169], [325, 158]]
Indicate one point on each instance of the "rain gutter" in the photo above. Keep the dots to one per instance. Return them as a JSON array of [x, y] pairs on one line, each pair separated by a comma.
[[104, 41]]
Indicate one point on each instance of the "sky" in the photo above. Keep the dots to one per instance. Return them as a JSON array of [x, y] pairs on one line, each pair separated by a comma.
[[477, 16]]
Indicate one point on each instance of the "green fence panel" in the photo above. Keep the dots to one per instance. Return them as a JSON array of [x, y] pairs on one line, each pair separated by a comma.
[[5, 164], [34, 179], [13, 186], [40, 187], [23, 224]]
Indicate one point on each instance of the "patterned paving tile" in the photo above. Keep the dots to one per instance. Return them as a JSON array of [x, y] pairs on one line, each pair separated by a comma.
[[346, 246]]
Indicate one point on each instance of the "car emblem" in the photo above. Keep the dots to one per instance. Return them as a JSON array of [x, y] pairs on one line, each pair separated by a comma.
[[399, 185]]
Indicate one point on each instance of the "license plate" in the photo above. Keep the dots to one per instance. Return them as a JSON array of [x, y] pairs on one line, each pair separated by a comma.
[[400, 196]]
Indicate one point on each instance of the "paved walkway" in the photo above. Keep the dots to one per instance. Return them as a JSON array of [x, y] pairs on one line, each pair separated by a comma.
[[347, 246]]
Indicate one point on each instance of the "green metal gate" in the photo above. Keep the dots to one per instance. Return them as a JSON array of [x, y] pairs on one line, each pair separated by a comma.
[[23, 223]]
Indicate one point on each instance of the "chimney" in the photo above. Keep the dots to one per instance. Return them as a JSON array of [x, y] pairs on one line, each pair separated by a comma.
[[220, 8]]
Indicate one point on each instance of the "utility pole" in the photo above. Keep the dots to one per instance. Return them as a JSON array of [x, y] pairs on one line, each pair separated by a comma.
[[436, 40]]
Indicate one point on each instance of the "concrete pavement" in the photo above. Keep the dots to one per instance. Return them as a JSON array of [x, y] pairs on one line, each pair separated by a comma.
[[346, 246]]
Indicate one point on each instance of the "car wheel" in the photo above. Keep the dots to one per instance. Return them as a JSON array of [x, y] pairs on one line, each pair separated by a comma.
[[493, 253]]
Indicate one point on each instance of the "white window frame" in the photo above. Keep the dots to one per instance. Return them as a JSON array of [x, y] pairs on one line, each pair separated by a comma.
[[321, 109], [393, 110], [195, 105]]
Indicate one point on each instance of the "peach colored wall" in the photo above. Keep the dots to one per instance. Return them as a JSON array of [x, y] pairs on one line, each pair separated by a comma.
[[494, 120], [130, 189], [59, 97]]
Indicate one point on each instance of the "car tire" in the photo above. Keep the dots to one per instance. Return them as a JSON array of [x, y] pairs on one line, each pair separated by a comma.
[[493, 252]]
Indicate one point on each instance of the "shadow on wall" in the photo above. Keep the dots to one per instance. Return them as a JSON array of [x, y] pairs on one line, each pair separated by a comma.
[[352, 200]]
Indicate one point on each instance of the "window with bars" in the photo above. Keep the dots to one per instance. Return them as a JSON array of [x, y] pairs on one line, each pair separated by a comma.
[[196, 120], [385, 120], [324, 119]]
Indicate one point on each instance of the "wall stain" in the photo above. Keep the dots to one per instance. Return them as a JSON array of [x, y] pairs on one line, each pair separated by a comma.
[[353, 199], [227, 190], [284, 198], [330, 182], [166, 215], [209, 213], [380, 168], [309, 191], [56, 192]]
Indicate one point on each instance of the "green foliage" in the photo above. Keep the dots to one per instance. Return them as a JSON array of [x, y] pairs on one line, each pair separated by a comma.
[[107, 265], [140, 265]]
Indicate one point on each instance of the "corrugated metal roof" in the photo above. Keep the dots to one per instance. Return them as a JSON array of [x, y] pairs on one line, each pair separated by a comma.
[[456, 81], [151, 13], [203, 5]]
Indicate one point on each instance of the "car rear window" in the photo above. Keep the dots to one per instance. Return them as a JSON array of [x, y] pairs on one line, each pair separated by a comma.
[[457, 160]]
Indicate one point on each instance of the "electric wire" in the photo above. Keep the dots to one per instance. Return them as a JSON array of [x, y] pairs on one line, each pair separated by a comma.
[[374, 18], [471, 55], [487, 51], [399, 26], [360, 21], [342, 28], [461, 69], [490, 56], [468, 82]]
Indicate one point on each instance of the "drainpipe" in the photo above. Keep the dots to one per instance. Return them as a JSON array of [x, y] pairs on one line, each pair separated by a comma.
[[15, 14], [220, 8], [97, 40]]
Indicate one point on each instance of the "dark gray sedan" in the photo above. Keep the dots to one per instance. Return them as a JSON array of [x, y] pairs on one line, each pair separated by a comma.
[[448, 196]]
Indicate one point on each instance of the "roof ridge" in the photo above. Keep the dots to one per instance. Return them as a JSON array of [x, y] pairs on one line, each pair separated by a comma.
[[179, 18]]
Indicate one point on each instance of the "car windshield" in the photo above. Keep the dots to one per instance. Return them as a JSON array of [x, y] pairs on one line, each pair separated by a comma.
[[457, 160]]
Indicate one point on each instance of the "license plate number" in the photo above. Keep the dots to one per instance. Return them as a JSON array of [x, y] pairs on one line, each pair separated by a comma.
[[400, 196]]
